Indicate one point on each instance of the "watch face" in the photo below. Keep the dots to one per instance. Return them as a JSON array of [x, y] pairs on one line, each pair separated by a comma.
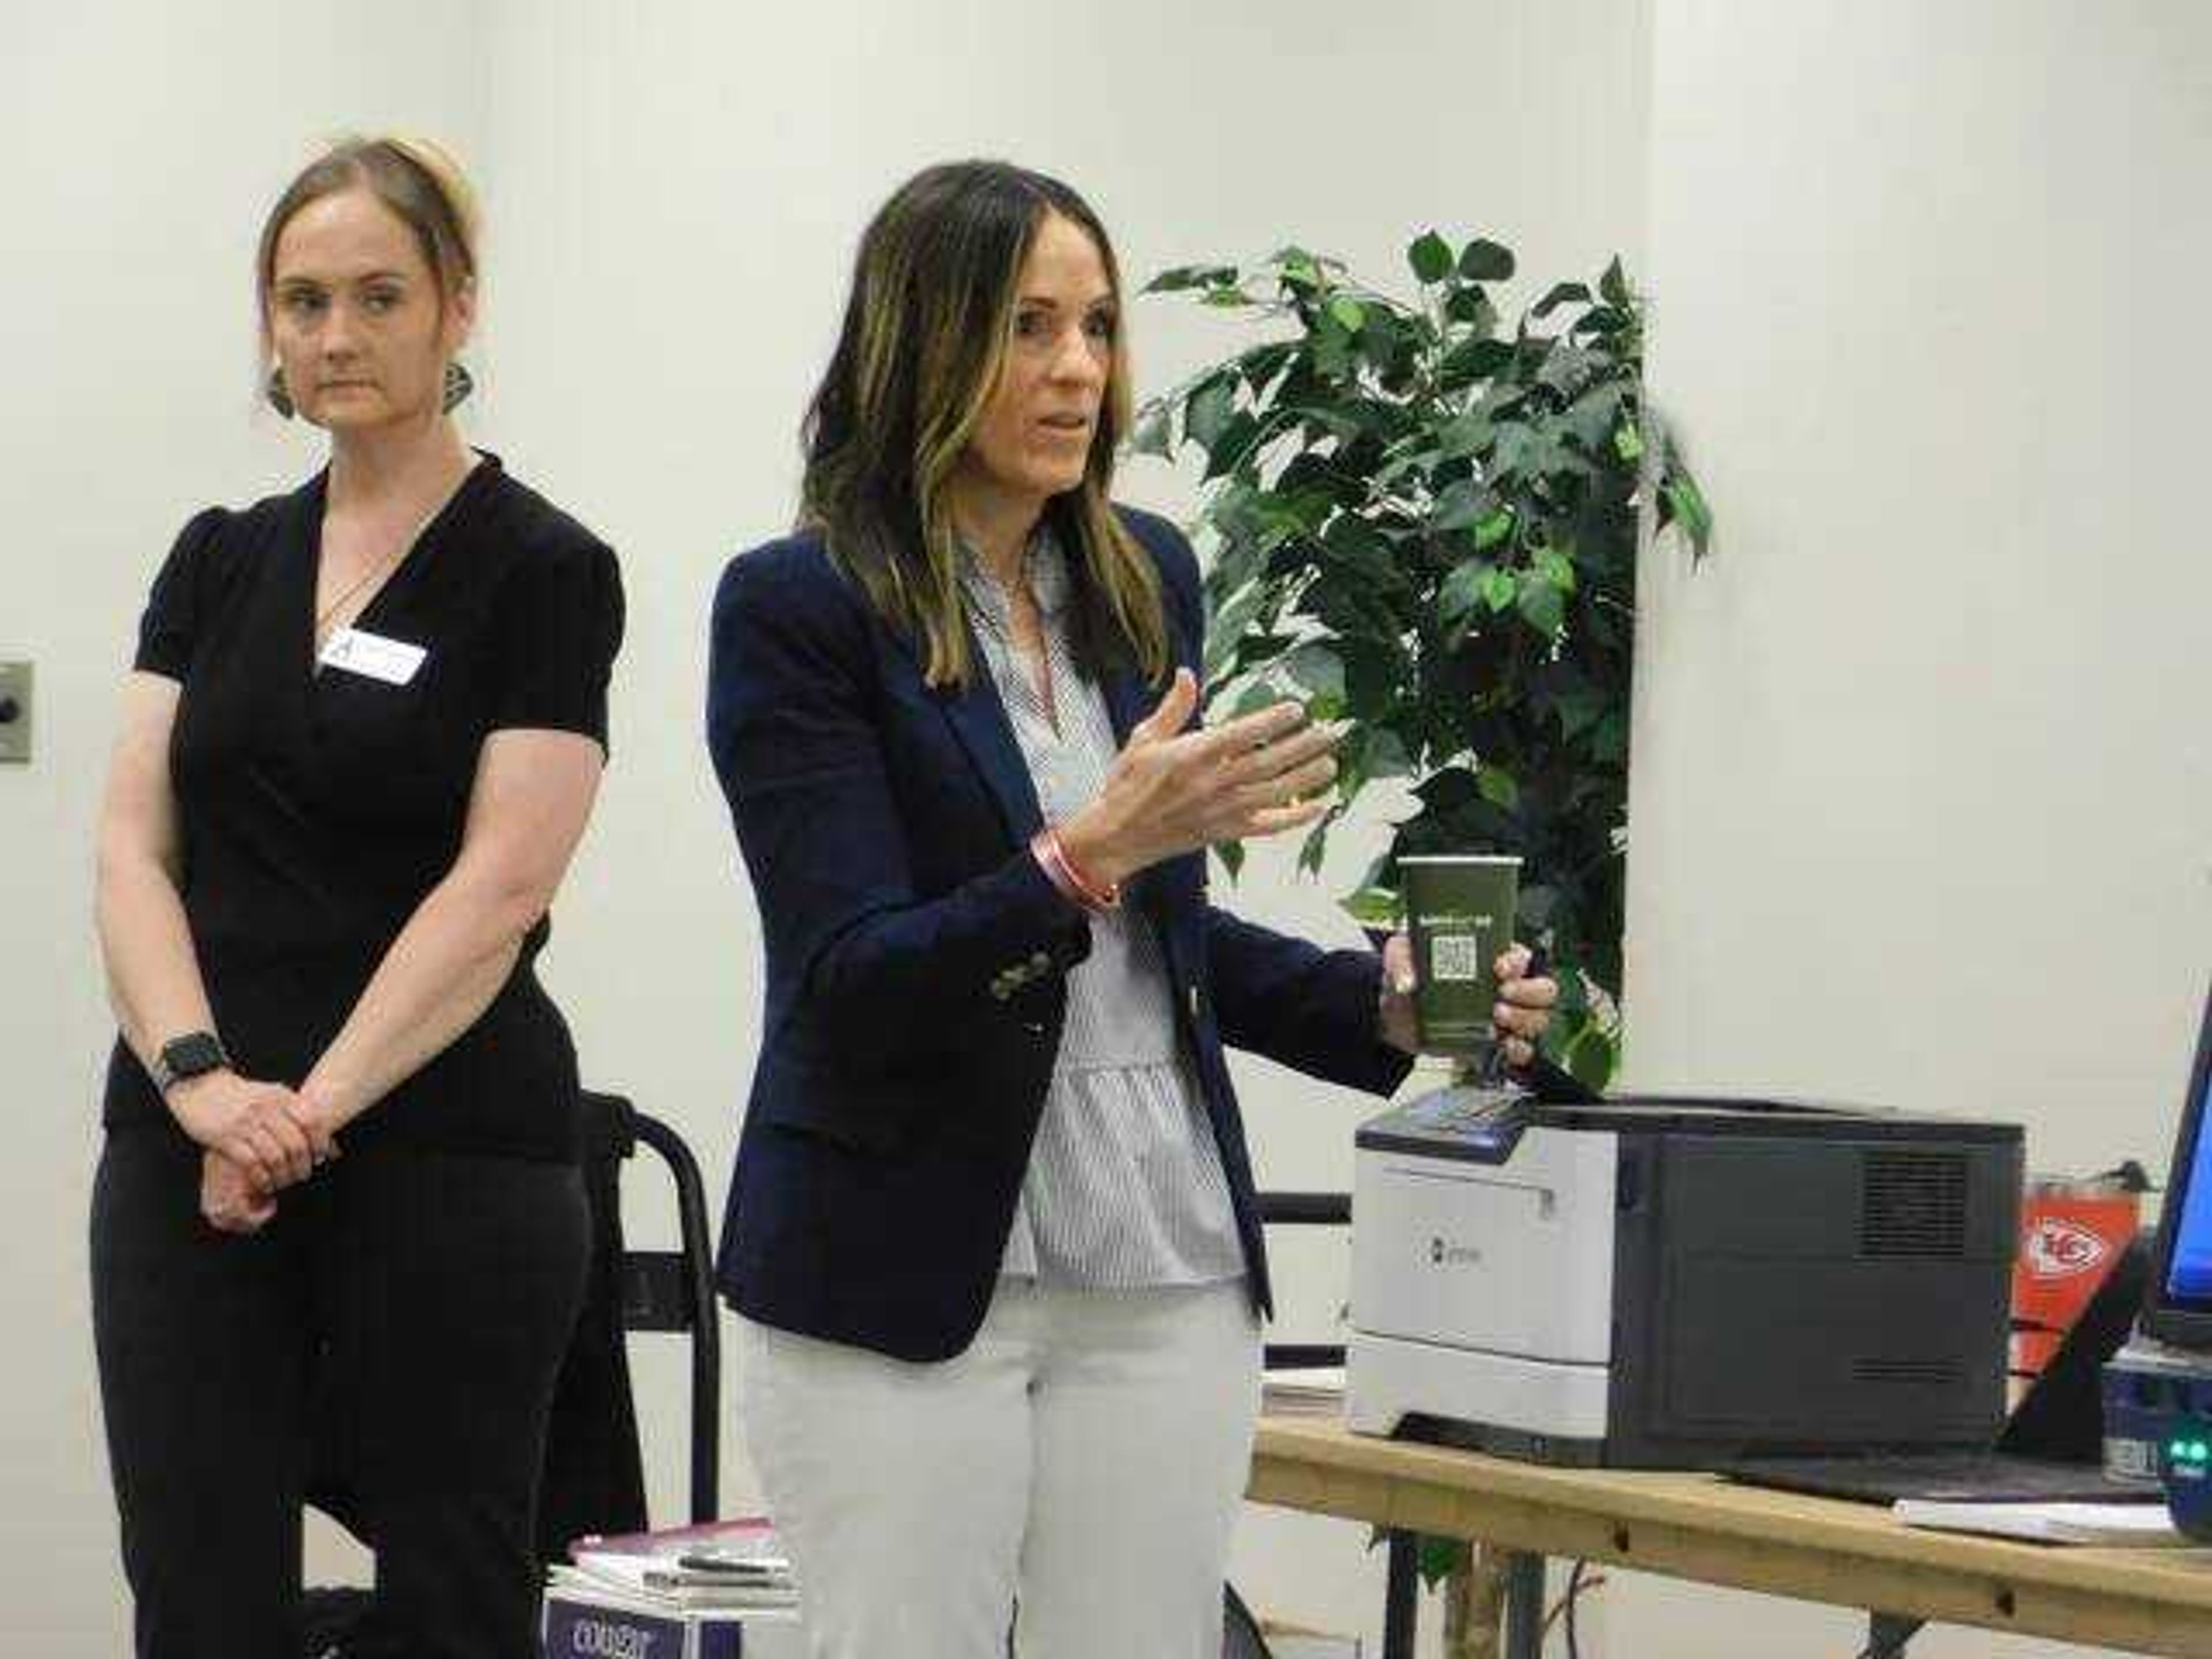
[[190, 1056]]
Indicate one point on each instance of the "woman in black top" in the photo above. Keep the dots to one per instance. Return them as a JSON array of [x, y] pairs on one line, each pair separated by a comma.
[[363, 736]]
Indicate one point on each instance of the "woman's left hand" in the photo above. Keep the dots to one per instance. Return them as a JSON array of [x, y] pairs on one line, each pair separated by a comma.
[[1523, 1011], [228, 1199]]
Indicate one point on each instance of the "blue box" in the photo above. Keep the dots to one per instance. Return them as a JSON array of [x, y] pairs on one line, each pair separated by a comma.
[[580, 1625]]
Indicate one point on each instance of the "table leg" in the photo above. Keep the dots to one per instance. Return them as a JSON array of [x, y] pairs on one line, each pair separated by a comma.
[[1888, 1634], [1524, 1606], [1401, 1599]]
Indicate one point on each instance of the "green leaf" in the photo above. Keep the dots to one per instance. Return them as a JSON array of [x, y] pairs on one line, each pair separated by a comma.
[[1348, 312], [1233, 446], [1557, 294], [1472, 306], [1297, 267], [1613, 286], [1206, 415], [1257, 694], [1226, 631], [1497, 787], [1499, 589], [1491, 529], [1387, 756], [1474, 360], [1371, 907], [1464, 435], [1689, 510], [1460, 505], [1440, 1557], [1557, 569], [1154, 434], [1484, 261], [1315, 849], [1228, 296], [1189, 276], [1431, 258], [1231, 854], [1317, 670], [1578, 711], [1541, 607], [1516, 449], [1590, 1056], [1463, 589], [1627, 443]]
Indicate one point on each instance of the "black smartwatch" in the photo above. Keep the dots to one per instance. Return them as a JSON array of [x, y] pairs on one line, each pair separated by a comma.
[[193, 1055]]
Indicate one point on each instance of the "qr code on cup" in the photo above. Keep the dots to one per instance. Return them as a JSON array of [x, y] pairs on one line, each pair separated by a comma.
[[1455, 958]]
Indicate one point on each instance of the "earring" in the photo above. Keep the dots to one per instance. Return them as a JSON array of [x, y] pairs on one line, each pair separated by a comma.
[[278, 394], [459, 384]]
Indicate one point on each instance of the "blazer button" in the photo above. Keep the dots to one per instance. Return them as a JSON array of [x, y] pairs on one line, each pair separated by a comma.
[[1001, 989], [1040, 964]]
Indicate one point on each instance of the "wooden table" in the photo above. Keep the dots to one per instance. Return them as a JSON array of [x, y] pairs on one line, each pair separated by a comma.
[[1716, 1532]]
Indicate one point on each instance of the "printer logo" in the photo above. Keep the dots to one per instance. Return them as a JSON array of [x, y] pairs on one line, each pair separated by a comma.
[[1443, 1253]]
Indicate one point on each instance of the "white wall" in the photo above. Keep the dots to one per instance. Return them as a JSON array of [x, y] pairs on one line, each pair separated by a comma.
[[1919, 800], [1922, 777]]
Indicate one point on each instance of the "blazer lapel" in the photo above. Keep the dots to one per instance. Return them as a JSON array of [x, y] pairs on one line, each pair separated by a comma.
[[1129, 700], [977, 715]]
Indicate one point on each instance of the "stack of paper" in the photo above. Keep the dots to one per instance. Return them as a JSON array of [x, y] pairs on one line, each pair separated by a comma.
[[739, 1566], [1317, 1391], [711, 1592], [2136, 1524]]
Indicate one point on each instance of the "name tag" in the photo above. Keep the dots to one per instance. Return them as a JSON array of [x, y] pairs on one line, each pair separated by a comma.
[[393, 661]]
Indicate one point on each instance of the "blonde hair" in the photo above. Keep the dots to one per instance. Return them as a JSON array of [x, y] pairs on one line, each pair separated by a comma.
[[418, 180], [921, 352]]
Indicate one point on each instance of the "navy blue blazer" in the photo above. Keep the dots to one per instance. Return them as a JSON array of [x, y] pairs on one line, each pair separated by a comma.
[[917, 960]]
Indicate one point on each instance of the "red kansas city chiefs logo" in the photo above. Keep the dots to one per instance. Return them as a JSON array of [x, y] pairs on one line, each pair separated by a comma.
[[2059, 1249]]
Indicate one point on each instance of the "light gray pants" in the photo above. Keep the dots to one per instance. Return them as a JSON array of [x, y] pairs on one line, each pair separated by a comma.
[[1085, 1456]]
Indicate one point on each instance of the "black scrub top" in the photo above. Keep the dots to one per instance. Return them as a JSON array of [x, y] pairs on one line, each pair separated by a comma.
[[317, 808]]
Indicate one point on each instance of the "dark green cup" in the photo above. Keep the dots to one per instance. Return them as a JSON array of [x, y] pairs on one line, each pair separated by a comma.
[[1458, 910]]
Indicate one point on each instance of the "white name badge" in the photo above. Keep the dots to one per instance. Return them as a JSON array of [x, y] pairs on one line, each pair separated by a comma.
[[393, 661]]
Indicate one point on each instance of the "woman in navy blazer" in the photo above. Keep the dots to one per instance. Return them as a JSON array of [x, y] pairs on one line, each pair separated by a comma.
[[993, 1230]]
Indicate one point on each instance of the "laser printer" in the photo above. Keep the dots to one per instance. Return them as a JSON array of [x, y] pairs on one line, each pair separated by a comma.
[[1669, 1282]]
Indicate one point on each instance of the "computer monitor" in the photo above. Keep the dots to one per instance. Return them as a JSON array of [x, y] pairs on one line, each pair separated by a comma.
[[2179, 1309]]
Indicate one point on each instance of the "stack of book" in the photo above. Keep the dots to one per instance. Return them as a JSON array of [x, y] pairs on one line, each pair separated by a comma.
[[711, 1592]]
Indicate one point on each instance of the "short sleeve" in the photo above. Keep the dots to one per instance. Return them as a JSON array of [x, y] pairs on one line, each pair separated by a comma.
[[175, 609], [559, 625]]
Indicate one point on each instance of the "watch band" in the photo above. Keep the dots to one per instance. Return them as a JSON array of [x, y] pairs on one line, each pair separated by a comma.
[[193, 1055]]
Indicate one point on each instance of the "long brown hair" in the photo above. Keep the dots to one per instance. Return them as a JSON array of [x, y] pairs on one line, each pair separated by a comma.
[[923, 344]]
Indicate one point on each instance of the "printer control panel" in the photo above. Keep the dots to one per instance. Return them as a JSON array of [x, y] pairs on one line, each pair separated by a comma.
[[1477, 1126]]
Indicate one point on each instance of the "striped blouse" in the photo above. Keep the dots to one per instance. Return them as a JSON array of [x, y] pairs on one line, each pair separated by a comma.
[[1124, 1186]]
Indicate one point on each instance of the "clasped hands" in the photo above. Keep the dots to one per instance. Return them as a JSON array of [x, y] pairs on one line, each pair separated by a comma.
[[256, 1139]]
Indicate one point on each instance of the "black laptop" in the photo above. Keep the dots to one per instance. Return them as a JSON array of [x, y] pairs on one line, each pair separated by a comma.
[[2052, 1451]]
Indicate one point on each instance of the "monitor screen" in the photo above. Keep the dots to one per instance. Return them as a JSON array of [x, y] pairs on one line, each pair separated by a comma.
[[2180, 1304], [2189, 1265]]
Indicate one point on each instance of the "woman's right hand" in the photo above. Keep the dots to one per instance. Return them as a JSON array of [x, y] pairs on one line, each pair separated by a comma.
[[261, 1128], [1171, 792]]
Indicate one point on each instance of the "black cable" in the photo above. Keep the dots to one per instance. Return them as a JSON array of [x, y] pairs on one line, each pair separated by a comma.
[[1574, 1595]]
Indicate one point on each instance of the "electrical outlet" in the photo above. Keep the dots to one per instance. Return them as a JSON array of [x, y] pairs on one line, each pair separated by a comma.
[[14, 711]]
